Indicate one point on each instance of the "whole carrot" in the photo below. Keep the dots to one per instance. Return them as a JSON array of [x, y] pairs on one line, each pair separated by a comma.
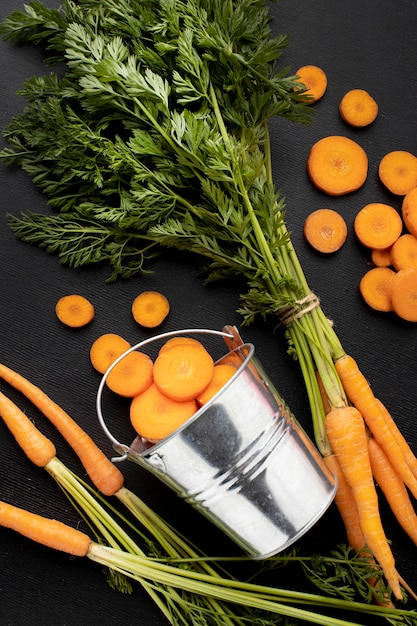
[[346, 431], [51, 533], [104, 474], [362, 397], [393, 488], [39, 449]]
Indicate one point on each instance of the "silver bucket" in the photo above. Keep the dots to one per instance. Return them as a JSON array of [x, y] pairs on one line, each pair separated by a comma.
[[242, 460]]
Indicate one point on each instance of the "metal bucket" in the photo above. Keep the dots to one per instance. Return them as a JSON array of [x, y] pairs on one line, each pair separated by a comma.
[[242, 460]]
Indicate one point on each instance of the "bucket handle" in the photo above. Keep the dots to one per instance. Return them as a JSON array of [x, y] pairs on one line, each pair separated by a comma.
[[228, 332]]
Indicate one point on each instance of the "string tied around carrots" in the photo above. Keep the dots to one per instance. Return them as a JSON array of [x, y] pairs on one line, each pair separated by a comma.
[[291, 312]]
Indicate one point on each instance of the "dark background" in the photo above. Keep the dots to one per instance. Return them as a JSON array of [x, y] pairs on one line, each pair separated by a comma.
[[370, 45]]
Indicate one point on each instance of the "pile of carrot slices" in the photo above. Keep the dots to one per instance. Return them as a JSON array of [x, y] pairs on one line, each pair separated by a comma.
[[164, 392]]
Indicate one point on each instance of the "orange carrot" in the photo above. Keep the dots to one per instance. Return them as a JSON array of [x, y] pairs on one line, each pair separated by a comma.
[[398, 171], [409, 455], [106, 349], [150, 308], [183, 371], [74, 310], [155, 416], [103, 473], [375, 288], [347, 435], [362, 397], [346, 505], [325, 230], [337, 165], [131, 375], [358, 108], [314, 79], [50, 533], [222, 373], [409, 211], [404, 252], [393, 488], [378, 225], [381, 257], [404, 294], [38, 448]]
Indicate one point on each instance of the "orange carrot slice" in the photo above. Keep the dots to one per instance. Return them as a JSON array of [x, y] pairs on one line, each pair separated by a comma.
[[150, 308], [183, 371], [74, 310], [337, 165], [375, 288], [106, 349], [358, 108], [404, 294], [325, 230], [398, 171], [314, 79], [131, 375], [378, 225]]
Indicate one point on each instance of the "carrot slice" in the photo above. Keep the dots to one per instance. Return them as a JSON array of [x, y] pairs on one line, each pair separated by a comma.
[[325, 230], [358, 108], [381, 257], [150, 308], [404, 252], [221, 374], [132, 375], [378, 225], [106, 349], [398, 171], [183, 371], [314, 79], [74, 310], [404, 294], [375, 288], [154, 416], [409, 211], [180, 340], [337, 165]]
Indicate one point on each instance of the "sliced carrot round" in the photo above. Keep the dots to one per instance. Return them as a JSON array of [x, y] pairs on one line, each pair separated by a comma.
[[155, 416], [398, 171], [106, 349], [150, 308], [404, 252], [404, 294], [337, 165], [409, 211], [358, 108], [381, 257], [378, 225], [314, 79], [132, 375], [183, 371], [375, 288], [325, 230], [222, 373], [74, 310]]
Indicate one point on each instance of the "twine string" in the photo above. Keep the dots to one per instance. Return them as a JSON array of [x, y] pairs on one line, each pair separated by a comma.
[[291, 312]]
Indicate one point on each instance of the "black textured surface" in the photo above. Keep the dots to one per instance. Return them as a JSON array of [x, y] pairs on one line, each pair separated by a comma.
[[359, 44]]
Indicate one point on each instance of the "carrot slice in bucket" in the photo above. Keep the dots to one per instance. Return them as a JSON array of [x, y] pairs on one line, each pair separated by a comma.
[[337, 165], [183, 371], [154, 416], [131, 375], [325, 230]]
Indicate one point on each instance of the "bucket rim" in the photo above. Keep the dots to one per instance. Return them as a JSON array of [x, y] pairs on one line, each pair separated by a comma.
[[125, 450]]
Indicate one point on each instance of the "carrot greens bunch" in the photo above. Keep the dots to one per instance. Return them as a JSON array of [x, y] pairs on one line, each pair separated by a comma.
[[156, 136]]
